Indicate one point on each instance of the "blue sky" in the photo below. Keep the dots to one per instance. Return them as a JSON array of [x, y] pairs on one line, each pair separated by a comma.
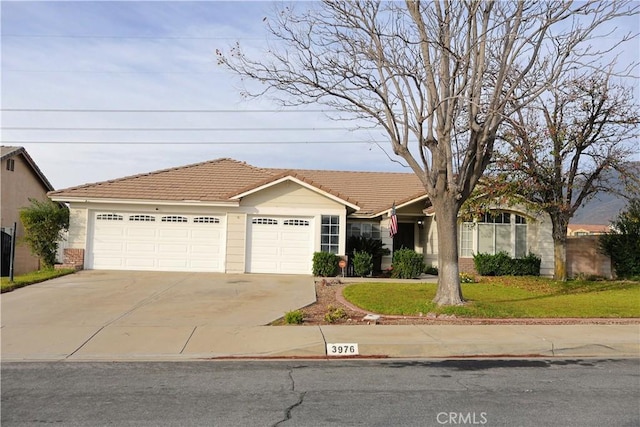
[[144, 56], [151, 56]]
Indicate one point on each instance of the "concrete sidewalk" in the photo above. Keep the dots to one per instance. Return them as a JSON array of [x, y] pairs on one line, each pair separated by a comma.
[[116, 343]]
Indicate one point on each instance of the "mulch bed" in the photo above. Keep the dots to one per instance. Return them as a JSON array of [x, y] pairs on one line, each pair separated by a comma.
[[329, 298]]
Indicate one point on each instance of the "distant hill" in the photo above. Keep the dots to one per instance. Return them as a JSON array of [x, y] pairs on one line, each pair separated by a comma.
[[603, 208]]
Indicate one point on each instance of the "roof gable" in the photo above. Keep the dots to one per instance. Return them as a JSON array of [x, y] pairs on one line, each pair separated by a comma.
[[8, 152]]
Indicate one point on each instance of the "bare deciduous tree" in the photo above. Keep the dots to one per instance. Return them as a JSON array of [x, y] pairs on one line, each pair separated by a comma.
[[437, 77], [567, 146]]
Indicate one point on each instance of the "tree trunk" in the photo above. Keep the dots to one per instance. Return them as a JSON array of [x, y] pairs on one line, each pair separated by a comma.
[[449, 292], [560, 260], [559, 232]]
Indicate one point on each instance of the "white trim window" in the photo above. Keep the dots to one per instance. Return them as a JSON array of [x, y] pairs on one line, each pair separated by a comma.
[[494, 232], [369, 230], [330, 234]]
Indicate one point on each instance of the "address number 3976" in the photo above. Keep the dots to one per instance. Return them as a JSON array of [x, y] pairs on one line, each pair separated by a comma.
[[342, 349]]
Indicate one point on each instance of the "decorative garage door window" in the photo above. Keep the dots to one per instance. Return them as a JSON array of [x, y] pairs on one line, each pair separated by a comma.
[[206, 220], [174, 219], [109, 217], [297, 222], [142, 218], [264, 221]]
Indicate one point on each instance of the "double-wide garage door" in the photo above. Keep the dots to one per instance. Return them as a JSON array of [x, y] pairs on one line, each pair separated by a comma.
[[131, 241], [281, 245]]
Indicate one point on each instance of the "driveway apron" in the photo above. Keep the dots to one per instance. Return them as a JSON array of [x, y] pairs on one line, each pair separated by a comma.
[[101, 314]]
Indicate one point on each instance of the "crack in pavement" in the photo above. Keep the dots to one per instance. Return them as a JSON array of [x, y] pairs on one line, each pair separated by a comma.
[[287, 413]]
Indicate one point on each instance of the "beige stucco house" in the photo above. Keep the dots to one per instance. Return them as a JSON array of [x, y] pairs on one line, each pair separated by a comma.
[[21, 180], [228, 216]]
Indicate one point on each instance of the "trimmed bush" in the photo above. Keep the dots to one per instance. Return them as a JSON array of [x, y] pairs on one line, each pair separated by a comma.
[[334, 314], [295, 317], [372, 246], [527, 266], [407, 264], [501, 264], [362, 263], [325, 264]]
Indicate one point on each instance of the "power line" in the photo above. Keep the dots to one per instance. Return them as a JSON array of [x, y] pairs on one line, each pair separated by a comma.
[[87, 36], [234, 129], [213, 111], [192, 142]]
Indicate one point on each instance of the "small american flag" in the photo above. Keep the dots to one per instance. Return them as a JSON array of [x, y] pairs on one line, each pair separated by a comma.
[[393, 222]]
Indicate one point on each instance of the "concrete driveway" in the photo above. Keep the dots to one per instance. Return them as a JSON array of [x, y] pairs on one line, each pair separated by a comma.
[[115, 312]]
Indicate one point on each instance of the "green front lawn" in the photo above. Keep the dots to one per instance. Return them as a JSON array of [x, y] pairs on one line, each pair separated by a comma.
[[33, 277], [504, 297]]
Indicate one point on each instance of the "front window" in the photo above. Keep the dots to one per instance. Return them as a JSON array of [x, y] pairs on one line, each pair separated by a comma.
[[330, 234], [494, 232], [370, 230]]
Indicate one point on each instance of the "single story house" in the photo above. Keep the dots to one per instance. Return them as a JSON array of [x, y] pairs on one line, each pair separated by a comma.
[[228, 216]]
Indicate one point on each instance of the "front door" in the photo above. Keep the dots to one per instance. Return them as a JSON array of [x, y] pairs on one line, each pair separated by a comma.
[[405, 237]]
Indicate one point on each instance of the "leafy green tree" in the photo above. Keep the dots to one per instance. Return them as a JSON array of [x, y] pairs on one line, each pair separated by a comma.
[[622, 244], [44, 222]]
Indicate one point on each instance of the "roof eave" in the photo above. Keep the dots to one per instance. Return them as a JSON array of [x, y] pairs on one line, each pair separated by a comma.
[[387, 211], [220, 203]]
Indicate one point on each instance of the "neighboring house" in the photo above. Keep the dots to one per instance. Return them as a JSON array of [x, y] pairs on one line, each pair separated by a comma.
[[228, 216], [21, 180], [576, 230]]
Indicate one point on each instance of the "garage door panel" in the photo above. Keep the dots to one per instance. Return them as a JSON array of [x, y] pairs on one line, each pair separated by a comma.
[[140, 247], [144, 232], [293, 253], [279, 245], [137, 242], [295, 237], [201, 234], [139, 263], [112, 232], [103, 246], [109, 263], [165, 248], [175, 263], [172, 234]]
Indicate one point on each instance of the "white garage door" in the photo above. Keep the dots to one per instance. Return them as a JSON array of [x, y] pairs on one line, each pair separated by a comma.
[[130, 241], [279, 245]]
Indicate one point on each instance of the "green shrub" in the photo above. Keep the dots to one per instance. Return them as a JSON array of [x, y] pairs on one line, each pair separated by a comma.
[[325, 264], [373, 247], [362, 263], [501, 264], [623, 244], [294, 317], [407, 264], [527, 266], [334, 314], [431, 270]]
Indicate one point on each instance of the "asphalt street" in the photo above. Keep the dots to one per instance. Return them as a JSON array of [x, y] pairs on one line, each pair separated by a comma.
[[391, 392]]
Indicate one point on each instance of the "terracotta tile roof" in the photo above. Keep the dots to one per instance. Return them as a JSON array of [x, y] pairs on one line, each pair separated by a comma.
[[223, 179], [588, 228]]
